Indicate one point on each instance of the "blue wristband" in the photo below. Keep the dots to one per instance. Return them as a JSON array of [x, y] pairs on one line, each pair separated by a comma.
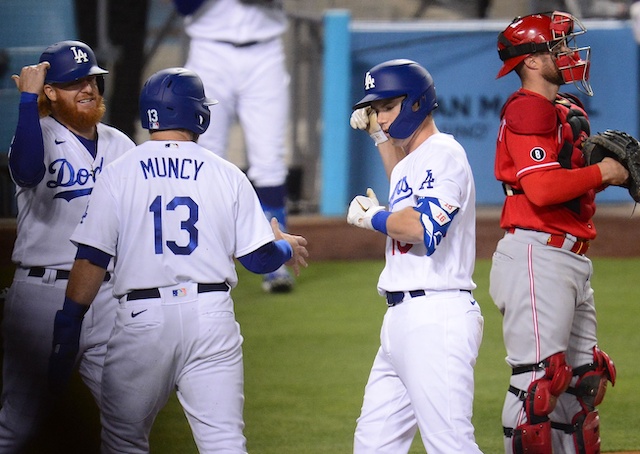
[[74, 309], [379, 221]]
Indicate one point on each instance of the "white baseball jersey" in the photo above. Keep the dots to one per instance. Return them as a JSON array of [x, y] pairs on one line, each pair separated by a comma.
[[442, 160], [236, 22], [164, 234], [422, 375], [47, 216], [48, 213]]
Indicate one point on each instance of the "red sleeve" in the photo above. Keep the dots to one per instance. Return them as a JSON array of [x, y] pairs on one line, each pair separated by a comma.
[[551, 187]]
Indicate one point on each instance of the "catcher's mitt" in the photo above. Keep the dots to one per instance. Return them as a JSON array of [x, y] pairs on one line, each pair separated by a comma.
[[620, 146]]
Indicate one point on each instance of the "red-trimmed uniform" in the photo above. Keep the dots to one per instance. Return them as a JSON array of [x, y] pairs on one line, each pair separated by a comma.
[[540, 277]]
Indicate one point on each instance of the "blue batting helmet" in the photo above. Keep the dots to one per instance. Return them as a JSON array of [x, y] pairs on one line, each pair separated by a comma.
[[71, 60], [401, 77], [174, 98]]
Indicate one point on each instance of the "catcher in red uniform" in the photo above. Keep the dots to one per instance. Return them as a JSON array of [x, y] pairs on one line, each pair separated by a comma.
[[540, 275]]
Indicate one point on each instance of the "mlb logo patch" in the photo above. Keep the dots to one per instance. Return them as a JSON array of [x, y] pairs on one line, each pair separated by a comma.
[[180, 292]]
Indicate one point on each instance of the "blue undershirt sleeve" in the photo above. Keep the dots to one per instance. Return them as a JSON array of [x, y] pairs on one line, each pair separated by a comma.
[[267, 258], [94, 255], [26, 155], [187, 7]]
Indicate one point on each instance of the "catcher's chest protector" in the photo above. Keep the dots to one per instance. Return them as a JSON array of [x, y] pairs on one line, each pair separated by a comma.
[[575, 127]]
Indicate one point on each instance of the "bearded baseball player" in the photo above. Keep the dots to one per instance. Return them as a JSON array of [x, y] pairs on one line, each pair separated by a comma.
[[59, 150], [174, 215], [422, 375], [540, 275]]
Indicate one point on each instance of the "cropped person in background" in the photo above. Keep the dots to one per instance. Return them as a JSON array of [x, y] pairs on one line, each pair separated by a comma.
[[454, 9], [584, 9], [236, 48], [59, 150], [126, 34]]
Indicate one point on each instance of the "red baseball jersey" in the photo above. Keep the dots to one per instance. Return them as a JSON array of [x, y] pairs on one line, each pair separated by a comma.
[[538, 135]]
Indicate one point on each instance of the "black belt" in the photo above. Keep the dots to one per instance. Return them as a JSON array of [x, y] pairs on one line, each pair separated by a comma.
[[147, 293], [245, 44], [37, 271], [394, 298]]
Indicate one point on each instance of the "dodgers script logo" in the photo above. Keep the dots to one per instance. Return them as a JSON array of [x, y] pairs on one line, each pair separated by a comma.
[[401, 192], [369, 81], [79, 55], [66, 176]]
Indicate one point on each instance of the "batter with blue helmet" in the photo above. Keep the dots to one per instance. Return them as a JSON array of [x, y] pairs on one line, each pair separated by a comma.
[[174, 215], [422, 375], [58, 152]]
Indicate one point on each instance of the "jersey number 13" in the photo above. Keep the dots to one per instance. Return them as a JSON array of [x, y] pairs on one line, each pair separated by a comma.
[[188, 224]]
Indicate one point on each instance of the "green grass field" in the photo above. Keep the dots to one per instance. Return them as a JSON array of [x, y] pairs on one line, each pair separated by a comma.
[[308, 354]]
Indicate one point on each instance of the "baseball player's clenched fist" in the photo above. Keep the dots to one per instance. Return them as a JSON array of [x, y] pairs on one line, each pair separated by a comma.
[[362, 209], [31, 78], [367, 120], [297, 243]]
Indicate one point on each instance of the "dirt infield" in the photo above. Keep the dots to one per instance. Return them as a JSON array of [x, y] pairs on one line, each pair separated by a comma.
[[333, 239]]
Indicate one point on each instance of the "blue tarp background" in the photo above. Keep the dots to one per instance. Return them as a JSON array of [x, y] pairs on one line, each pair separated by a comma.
[[463, 60]]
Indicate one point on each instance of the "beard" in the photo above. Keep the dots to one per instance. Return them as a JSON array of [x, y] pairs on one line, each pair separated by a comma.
[[68, 114], [554, 76]]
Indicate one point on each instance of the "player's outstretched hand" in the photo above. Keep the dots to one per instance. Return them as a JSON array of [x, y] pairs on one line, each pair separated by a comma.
[[362, 209], [298, 245], [367, 120], [66, 341], [31, 78]]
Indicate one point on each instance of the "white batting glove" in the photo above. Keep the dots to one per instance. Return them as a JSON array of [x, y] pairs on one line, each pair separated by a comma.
[[366, 119], [362, 208]]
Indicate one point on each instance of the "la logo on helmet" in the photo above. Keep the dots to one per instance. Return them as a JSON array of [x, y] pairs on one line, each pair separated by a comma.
[[369, 81], [79, 55]]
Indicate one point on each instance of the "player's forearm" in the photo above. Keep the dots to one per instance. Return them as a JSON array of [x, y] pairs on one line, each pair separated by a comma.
[[560, 185], [405, 226], [84, 282]]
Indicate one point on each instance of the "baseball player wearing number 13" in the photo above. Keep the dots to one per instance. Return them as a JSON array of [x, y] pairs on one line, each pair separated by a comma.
[[422, 376], [540, 276], [174, 215]]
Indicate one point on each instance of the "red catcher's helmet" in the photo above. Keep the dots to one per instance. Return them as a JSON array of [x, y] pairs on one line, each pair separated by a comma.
[[552, 32]]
